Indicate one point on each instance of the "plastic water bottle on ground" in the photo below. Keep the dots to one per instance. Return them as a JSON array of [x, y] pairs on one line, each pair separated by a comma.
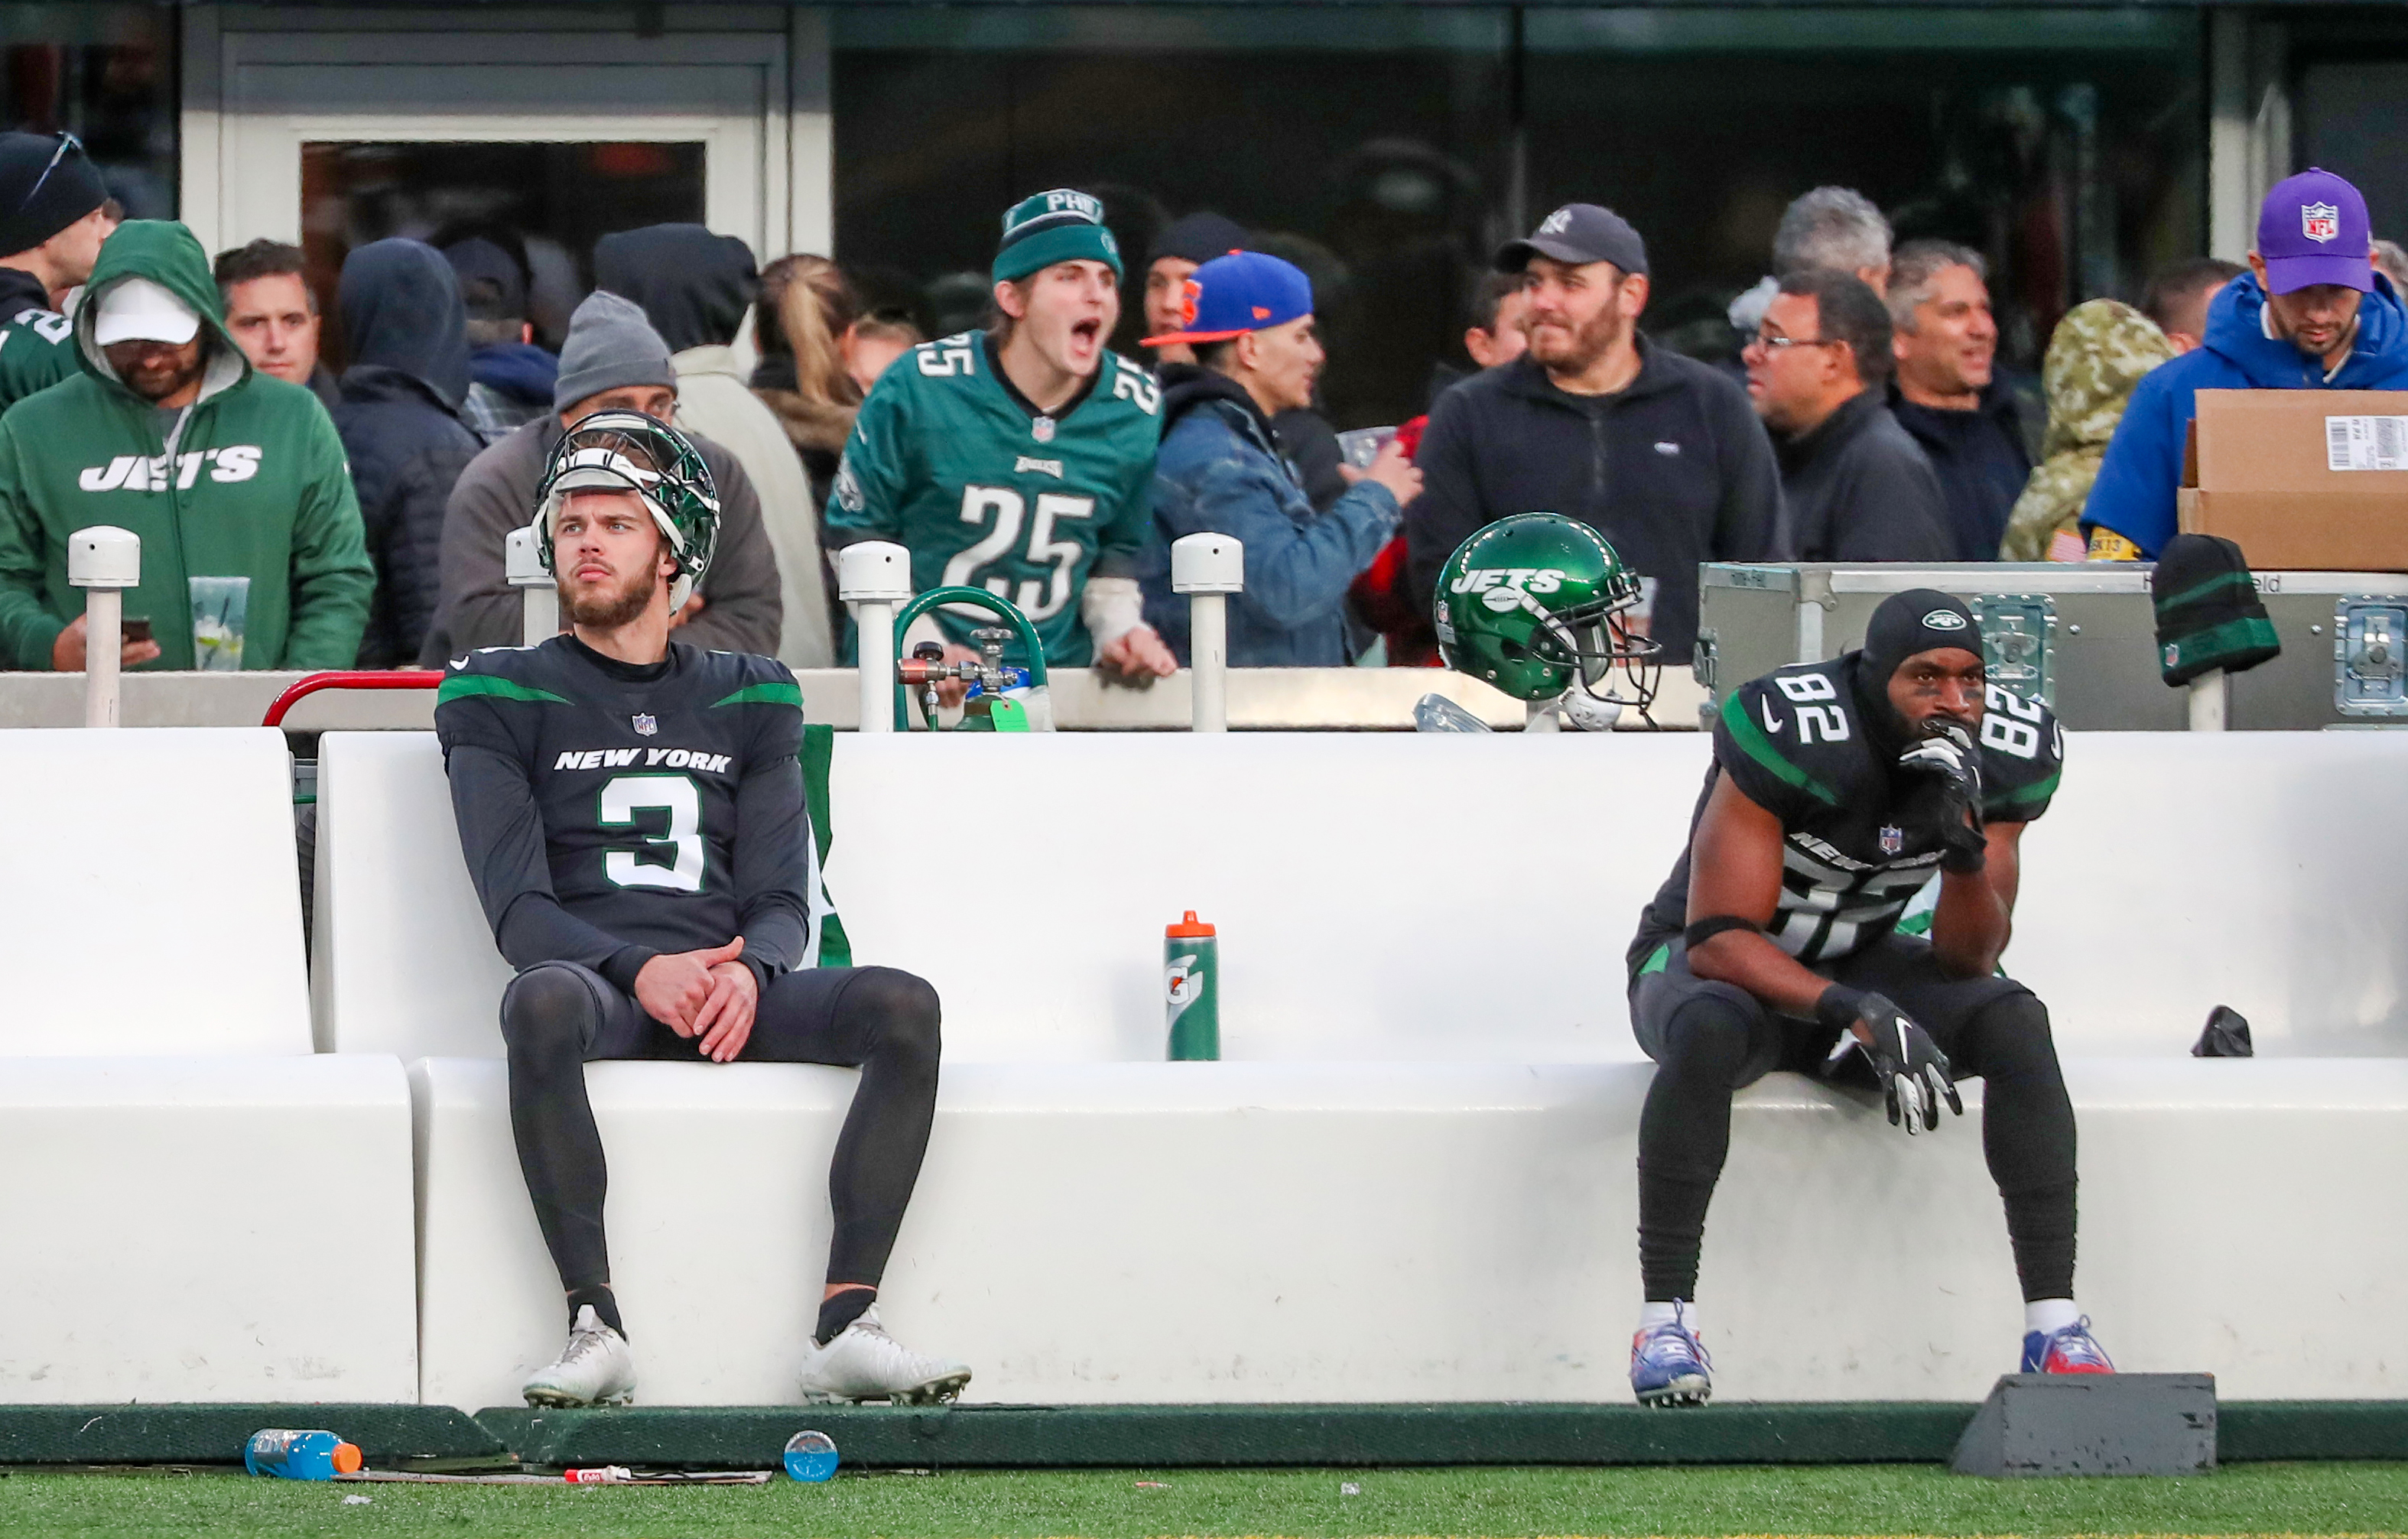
[[299, 1455], [812, 1455]]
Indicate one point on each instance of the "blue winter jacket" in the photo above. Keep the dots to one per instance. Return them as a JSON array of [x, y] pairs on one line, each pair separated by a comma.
[[2134, 492], [1219, 472]]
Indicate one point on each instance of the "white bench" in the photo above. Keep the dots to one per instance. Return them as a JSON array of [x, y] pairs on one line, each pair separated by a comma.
[[198, 1209], [1413, 1180]]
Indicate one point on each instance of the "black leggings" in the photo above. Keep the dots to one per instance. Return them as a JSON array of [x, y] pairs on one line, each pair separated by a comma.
[[1709, 1038], [557, 1017]]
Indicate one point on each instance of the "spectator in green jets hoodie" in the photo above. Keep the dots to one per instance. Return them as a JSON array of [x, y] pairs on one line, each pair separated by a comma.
[[222, 471]]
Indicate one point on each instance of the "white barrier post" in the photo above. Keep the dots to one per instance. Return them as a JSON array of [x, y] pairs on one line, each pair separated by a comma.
[[2211, 700], [104, 561], [539, 621], [873, 578], [1208, 568]]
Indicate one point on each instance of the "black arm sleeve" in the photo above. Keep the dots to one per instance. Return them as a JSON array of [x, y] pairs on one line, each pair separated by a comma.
[[501, 836], [774, 858]]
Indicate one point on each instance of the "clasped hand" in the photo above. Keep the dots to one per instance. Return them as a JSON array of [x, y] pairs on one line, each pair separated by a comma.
[[708, 995]]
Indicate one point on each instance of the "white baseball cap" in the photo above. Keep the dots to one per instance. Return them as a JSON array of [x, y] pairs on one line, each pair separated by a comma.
[[140, 310]]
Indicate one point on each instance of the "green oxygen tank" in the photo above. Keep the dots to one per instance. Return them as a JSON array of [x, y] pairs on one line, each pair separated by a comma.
[[1191, 989]]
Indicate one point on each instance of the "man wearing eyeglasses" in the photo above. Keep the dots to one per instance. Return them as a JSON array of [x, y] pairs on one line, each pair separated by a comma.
[[54, 213], [1858, 487]]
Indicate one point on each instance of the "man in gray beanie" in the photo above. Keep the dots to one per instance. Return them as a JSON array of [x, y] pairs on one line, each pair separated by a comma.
[[54, 213], [612, 358]]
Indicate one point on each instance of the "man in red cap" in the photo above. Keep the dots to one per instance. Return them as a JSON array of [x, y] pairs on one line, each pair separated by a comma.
[[1248, 319]]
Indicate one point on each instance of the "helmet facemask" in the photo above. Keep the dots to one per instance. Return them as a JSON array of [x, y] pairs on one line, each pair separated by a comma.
[[1611, 665]]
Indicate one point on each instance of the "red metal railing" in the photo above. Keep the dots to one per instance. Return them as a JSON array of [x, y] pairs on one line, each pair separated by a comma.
[[395, 679]]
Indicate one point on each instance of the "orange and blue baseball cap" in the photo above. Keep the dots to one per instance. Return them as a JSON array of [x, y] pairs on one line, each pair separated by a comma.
[[1243, 292]]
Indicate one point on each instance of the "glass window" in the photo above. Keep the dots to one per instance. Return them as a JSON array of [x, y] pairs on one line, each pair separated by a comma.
[[553, 200], [1371, 145], [107, 74], [2065, 145]]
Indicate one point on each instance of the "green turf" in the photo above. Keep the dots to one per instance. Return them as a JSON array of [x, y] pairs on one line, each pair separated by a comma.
[[2322, 1499]]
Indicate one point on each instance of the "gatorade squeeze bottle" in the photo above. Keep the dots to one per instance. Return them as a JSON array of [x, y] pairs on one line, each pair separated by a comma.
[[299, 1456], [1191, 989]]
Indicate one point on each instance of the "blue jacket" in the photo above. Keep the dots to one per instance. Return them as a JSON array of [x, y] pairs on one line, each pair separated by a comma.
[[2134, 492], [1219, 472]]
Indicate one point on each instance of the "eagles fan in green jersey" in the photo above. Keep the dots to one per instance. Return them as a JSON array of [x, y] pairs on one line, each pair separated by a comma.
[[1021, 460], [54, 213], [631, 809], [1838, 790]]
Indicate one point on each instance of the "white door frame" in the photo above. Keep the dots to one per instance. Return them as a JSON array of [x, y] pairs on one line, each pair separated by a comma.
[[751, 85]]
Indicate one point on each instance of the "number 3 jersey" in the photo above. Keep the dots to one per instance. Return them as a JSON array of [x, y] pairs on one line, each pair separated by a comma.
[[948, 461], [609, 812], [1862, 837]]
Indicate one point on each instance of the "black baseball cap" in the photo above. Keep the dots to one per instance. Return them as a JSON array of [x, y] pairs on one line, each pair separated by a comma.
[[1580, 234]]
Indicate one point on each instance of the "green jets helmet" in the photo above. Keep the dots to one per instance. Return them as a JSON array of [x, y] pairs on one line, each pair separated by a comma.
[[1537, 605], [628, 451]]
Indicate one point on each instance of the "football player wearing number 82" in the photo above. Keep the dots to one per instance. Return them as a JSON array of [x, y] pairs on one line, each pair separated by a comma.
[[1021, 460], [1836, 790], [632, 816]]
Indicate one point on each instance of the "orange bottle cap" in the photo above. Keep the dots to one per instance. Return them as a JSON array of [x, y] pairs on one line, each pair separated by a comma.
[[347, 1458], [1187, 928]]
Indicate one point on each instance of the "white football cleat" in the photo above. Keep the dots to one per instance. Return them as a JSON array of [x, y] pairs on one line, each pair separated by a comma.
[[864, 1362], [597, 1367]]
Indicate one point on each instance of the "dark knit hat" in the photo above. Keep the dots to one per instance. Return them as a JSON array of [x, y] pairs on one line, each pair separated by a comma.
[[46, 183], [1920, 619], [2209, 615], [1198, 238]]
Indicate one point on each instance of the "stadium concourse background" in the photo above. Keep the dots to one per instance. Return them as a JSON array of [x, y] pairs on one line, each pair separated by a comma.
[[1385, 148]]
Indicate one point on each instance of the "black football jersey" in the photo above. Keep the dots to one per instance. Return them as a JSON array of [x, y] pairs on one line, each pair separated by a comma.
[[1862, 839], [671, 800]]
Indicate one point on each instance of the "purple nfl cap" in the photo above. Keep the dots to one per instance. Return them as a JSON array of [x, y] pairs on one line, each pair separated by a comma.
[[2313, 229]]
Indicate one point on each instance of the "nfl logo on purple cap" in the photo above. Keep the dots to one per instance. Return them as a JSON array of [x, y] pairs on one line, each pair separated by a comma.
[[2320, 222]]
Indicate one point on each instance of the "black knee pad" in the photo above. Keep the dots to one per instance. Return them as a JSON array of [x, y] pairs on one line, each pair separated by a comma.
[[547, 1014], [1706, 1033], [2011, 1036], [902, 1010]]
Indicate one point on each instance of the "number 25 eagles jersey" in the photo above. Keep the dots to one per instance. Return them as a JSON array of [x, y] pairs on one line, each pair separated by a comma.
[[1861, 839], [948, 461]]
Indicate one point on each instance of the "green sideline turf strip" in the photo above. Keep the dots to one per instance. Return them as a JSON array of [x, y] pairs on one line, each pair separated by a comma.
[[1860, 1499]]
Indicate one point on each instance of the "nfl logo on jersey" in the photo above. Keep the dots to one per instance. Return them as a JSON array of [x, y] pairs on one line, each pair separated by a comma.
[[646, 726], [1893, 839]]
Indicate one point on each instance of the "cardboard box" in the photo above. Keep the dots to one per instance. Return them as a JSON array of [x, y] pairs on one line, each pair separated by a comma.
[[2303, 481]]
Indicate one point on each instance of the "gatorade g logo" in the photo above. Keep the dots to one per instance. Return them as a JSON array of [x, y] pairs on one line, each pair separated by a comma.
[[1503, 588], [135, 473], [1944, 619], [1181, 985]]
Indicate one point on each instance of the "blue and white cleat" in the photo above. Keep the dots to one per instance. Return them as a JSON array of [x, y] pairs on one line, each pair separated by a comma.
[[1668, 1365], [2071, 1349]]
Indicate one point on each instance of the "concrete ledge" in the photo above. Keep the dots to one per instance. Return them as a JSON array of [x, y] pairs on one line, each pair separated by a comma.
[[215, 1434]]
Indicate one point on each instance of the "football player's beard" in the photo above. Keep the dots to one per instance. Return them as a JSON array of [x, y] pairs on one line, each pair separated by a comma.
[[609, 611]]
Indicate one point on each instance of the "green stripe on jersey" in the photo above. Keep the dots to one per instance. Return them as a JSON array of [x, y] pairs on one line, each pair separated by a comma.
[[2038, 790], [772, 694], [1756, 746], [460, 686]]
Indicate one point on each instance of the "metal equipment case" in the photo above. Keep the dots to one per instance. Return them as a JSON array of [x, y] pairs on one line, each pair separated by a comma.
[[2082, 637]]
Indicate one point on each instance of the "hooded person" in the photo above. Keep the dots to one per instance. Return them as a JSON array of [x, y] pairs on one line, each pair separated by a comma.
[[224, 474], [695, 288], [2313, 313], [509, 377], [2100, 352], [612, 358], [401, 424], [54, 213]]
